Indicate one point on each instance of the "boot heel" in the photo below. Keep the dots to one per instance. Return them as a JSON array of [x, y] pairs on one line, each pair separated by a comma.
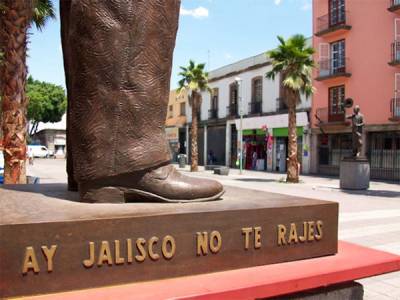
[[103, 195]]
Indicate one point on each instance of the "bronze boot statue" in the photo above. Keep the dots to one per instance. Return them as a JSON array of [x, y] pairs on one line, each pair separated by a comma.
[[118, 59]]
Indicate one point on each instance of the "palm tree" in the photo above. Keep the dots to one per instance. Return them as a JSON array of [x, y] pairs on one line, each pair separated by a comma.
[[16, 17], [194, 81], [292, 60]]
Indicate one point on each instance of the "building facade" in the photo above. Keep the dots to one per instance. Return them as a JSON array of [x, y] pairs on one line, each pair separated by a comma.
[[175, 124], [358, 53], [243, 87]]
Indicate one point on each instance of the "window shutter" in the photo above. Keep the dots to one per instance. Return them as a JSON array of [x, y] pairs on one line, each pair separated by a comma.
[[324, 55], [397, 29]]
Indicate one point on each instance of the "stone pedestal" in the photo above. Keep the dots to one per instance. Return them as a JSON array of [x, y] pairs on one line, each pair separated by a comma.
[[354, 174], [51, 243]]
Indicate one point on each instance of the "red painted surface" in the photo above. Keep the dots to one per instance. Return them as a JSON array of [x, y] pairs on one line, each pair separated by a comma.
[[351, 263]]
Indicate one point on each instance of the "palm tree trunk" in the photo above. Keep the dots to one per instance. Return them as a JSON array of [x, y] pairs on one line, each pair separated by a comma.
[[292, 163], [14, 26], [193, 131]]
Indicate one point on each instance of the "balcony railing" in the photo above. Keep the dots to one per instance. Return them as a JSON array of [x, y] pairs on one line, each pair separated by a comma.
[[394, 5], [255, 107], [395, 59], [324, 116], [332, 22], [231, 110], [333, 68], [213, 113], [395, 108]]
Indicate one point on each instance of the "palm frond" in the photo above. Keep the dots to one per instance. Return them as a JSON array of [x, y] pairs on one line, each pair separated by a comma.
[[43, 10]]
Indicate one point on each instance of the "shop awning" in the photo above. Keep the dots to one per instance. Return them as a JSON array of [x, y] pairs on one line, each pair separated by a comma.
[[274, 121]]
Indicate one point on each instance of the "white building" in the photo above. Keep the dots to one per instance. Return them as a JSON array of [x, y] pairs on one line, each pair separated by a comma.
[[264, 124]]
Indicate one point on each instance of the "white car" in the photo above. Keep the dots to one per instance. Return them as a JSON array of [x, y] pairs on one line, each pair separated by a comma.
[[39, 151]]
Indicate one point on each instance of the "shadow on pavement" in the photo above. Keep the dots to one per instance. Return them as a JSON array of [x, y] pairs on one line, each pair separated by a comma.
[[373, 193]]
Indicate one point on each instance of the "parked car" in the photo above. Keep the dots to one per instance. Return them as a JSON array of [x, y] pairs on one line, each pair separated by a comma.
[[40, 151]]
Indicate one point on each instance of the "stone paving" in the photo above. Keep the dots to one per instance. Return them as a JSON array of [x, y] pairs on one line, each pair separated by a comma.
[[370, 218]]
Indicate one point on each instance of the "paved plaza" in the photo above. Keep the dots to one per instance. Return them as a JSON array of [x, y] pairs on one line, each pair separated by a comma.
[[369, 218]]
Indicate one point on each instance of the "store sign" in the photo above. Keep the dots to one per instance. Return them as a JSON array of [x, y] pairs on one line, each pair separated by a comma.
[[172, 133]]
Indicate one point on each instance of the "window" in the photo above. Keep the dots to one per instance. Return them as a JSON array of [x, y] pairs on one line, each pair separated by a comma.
[[337, 12], [183, 109], [257, 89], [170, 111], [336, 100], [214, 99], [338, 57], [233, 99]]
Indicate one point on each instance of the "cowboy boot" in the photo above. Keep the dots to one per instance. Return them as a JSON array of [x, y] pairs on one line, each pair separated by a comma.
[[118, 59]]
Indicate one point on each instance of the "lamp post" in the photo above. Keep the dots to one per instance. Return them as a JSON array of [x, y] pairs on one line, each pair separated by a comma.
[[239, 83]]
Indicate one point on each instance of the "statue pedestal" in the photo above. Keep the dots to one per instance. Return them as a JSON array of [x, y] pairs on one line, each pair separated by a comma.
[[51, 243], [354, 174]]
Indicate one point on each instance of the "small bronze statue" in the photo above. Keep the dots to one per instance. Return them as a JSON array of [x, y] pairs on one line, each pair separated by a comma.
[[357, 120], [118, 60]]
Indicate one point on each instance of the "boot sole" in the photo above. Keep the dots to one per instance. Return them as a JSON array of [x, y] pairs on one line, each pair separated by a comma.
[[125, 195]]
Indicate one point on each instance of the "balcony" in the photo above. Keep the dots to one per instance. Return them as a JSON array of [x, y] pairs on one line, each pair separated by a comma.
[[395, 109], [333, 23], [333, 68], [232, 111], [213, 113], [395, 59], [255, 107], [326, 119], [394, 6]]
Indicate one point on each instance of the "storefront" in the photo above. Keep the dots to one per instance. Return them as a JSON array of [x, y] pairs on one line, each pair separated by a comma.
[[255, 149], [280, 136], [172, 134]]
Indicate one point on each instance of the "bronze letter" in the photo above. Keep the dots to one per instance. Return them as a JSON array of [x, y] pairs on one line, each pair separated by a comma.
[[118, 259], [30, 261], [88, 263], [202, 243], [319, 230], [168, 240], [104, 254], [303, 237], [140, 242], [49, 254], [152, 241], [246, 231], [311, 230], [215, 236], [257, 237], [293, 234], [129, 250], [281, 235]]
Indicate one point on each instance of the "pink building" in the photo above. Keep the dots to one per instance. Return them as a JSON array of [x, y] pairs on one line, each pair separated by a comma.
[[358, 51]]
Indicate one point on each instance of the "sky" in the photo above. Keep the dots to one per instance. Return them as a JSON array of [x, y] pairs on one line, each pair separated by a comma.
[[215, 32]]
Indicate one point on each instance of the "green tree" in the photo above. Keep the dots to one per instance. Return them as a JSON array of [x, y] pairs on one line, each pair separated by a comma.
[[194, 80], [47, 103], [16, 18], [293, 61]]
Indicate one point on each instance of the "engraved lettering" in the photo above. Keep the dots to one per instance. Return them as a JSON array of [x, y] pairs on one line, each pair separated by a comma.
[[303, 238], [129, 251], [311, 230], [30, 261], [49, 254]]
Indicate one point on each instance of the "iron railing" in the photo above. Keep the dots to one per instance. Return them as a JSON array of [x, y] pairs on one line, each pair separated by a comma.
[[395, 108], [255, 107], [394, 4], [332, 21], [395, 52], [213, 113], [281, 106], [333, 67], [231, 110], [324, 116]]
